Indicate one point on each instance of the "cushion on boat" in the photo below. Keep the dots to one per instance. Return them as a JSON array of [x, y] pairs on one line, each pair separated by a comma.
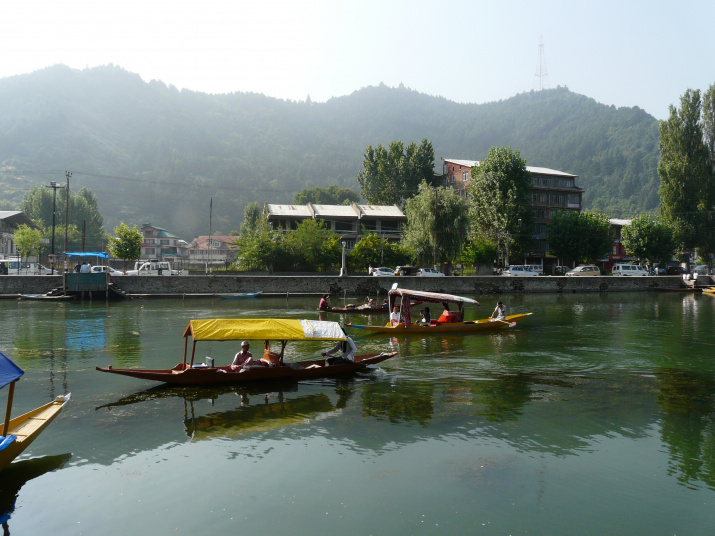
[[7, 441]]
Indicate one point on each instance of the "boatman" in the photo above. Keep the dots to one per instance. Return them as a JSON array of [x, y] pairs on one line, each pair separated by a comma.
[[347, 351], [242, 358], [500, 312]]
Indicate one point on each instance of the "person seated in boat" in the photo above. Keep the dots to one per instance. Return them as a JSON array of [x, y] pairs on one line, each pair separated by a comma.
[[499, 314], [395, 316], [242, 358], [371, 303], [323, 305], [426, 317], [347, 351], [272, 359]]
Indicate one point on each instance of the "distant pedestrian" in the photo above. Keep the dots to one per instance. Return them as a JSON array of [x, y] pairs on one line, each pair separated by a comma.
[[85, 268], [369, 270], [77, 267]]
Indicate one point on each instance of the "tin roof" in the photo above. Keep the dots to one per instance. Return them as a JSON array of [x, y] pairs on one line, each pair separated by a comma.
[[530, 169], [335, 211], [292, 211], [381, 211]]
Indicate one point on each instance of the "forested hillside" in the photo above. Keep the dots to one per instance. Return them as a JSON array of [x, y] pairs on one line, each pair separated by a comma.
[[154, 154]]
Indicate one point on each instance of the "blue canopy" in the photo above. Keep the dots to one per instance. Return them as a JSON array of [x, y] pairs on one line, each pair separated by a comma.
[[85, 254], [9, 371]]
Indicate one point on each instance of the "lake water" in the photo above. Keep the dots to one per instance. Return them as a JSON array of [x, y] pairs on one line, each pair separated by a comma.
[[594, 416]]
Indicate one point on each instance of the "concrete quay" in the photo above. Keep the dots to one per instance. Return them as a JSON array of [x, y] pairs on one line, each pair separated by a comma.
[[359, 285]]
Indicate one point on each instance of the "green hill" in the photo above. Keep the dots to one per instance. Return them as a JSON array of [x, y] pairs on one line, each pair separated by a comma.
[[154, 154]]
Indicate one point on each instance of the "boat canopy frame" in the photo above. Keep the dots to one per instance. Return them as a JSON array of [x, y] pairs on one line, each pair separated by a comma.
[[412, 298], [255, 329]]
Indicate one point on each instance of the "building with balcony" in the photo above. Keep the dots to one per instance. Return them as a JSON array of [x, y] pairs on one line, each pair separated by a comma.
[[160, 244], [213, 251], [347, 221], [10, 221], [551, 191]]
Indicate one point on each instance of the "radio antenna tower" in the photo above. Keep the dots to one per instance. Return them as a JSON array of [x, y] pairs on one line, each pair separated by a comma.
[[542, 75]]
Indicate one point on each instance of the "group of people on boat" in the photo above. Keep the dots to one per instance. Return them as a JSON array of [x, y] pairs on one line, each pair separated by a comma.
[[244, 358]]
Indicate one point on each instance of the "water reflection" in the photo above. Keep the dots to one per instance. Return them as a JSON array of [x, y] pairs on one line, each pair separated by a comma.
[[16, 475]]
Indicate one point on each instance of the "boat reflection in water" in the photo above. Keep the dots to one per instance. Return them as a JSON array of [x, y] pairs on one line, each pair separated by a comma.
[[16, 475]]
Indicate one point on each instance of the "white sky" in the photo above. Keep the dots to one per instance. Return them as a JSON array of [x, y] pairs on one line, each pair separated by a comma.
[[626, 53]]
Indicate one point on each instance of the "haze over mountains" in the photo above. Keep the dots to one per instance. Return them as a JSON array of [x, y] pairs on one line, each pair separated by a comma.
[[153, 154]]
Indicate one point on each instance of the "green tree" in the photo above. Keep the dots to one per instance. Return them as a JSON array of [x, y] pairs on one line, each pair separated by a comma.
[[126, 244], [582, 237], [499, 196], [84, 213], [28, 241], [649, 239], [373, 250], [392, 175], [332, 195], [258, 251], [437, 224], [312, 246], [253, 219], [684, 171]]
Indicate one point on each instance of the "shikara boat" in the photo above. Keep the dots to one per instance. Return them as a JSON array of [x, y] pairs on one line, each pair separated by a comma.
[[17, 434], [240, 295], [448, 322], [709, 291], [264, 330]]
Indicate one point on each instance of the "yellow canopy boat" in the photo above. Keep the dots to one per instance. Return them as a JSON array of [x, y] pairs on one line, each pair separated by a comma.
[[450, 321], [271, 365], [17, 434]]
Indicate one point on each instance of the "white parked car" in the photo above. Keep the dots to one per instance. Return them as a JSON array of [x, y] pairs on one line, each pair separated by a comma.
[[588, 270], [429, 272], [383, 272], [632, 270], [517, 270], [154, 268], [105, 269]]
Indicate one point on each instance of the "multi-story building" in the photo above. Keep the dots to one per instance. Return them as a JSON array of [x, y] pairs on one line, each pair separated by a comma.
[[161, 244], [214, 250], [344, 220], [551, 191], [10, 220]]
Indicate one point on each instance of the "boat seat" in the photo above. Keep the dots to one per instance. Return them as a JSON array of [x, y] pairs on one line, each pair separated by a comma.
[[7, 441], [433, 322]]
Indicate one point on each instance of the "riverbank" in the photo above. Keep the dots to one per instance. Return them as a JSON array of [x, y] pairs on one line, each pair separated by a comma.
[[360, 286]]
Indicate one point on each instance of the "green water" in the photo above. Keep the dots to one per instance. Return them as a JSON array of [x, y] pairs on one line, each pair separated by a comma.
[[594, 416]]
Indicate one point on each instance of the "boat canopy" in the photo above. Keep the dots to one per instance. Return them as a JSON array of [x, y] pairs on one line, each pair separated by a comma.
[[236, 329], [9, 371], [419, 296]]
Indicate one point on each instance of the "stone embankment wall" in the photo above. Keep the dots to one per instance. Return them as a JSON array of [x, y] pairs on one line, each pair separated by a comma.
[[351, 285]]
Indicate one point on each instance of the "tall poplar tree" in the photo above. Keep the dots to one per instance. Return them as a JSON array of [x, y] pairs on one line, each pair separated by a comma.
[[686, 180]]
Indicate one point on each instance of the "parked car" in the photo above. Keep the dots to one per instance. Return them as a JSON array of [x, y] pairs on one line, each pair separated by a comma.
[[16, 266], [154, 268], [675, 270], [628, 270], [429, 272], [701, 269], [587, 270], [383, 272], [518, 270], [405, 270], [105, 269]]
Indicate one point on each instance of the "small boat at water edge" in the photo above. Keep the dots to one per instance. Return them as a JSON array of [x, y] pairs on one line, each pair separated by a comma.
[[360, 309], [17, 434], [709, 291], [45, 297], [241, 295], [283, 330], [448, 322]]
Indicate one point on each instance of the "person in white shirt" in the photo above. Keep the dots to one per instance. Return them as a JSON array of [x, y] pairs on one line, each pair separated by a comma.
[[395, 316], [346, 348], [500, 312]]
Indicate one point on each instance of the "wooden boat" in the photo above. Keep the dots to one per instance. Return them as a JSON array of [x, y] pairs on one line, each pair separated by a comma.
[[240, 295], [45, 297], [283, 330], [17, 434], [709, 291], [448, 322]]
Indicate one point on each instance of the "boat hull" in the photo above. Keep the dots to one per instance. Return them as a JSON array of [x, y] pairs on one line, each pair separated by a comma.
[[224, 375], [240, 295], [452, 327], [358, 310], [28, 426]]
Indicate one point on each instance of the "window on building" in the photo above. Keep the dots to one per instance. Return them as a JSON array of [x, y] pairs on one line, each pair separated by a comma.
[[163, 242], [539, 213], [148, 251], [390, 226], [465, 176], [557, 199], [150, 241], [342, 226], [148, 233], [369, 225]]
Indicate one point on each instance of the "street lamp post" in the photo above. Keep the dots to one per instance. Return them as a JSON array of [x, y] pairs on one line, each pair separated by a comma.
[[343, 269], [54, 187]]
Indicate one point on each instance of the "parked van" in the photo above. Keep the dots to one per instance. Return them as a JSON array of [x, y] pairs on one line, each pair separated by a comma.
[[538, 268], [153, 267], [16, 266], [628, 270]]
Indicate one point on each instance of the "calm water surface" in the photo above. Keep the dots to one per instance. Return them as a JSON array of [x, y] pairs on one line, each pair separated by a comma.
[[594, 416]]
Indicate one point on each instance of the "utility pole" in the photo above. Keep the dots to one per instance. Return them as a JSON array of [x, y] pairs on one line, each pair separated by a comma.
[[54, 187], [68, 174]]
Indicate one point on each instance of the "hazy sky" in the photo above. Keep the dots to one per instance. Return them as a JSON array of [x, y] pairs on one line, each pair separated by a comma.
[[626, 53]]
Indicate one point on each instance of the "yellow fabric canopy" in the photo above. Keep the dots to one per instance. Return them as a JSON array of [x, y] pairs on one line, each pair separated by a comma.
[[236, 329]]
